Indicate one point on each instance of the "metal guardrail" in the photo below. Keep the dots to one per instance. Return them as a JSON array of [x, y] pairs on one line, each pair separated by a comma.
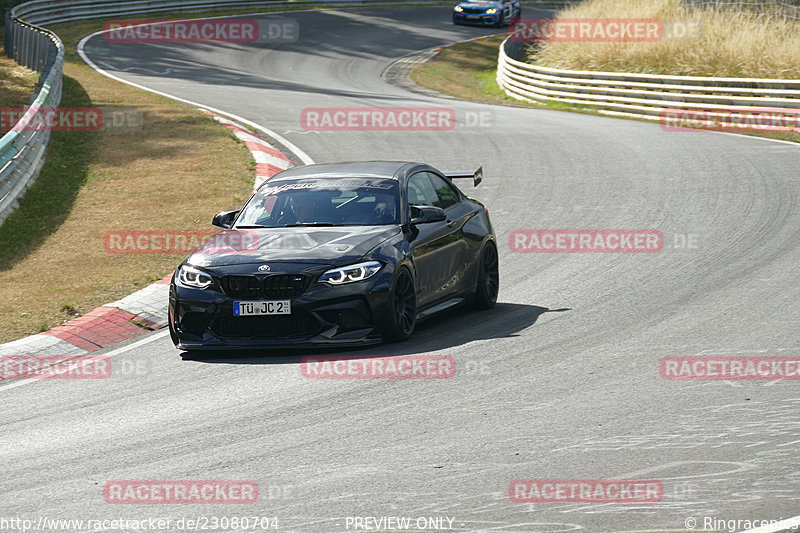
[[56, 11], [22, 149], [26, 41], [642, 96]]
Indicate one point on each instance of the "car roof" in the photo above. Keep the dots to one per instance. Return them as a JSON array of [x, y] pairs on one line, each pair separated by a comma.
[[361, 169]]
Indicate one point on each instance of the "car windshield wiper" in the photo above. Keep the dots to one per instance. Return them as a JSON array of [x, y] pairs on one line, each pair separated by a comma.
[[252, 227], [309, 224]]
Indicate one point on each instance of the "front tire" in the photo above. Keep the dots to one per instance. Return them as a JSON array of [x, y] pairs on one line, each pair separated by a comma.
[[173, 335], [488, 278], [402, 308]]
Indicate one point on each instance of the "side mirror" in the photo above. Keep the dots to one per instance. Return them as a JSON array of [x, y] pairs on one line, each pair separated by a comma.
[[424, 214], [224, 219]]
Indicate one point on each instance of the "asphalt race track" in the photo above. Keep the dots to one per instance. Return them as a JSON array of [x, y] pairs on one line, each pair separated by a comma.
[[560, 381]]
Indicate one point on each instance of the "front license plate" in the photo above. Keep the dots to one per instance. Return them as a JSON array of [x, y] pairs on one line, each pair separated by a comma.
[[473, 17], [271, 307]]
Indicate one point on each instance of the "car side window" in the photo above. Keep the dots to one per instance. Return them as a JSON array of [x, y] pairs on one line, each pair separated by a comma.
[[445, 193], [420, 190]]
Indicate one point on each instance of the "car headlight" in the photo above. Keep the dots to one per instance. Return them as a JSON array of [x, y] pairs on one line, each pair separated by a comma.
[[491, 11], [458, 8], [350, 273], [192, 277]]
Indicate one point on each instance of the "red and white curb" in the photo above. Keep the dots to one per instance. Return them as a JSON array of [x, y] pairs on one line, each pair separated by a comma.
[[107, 325], [143, 310]]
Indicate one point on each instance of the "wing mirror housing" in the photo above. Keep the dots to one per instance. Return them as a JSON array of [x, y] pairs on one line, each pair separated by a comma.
[[425, 214], [224, 219]]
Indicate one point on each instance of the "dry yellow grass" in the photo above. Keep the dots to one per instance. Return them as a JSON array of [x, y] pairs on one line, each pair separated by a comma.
[[175, 172], [731, 43], [16, 83]]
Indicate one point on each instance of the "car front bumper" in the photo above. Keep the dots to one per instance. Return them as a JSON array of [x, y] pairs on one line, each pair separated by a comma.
[[476, 18], [323, 315]]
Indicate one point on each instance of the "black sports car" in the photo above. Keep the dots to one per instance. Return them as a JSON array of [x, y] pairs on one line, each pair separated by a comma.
[[343, 254]]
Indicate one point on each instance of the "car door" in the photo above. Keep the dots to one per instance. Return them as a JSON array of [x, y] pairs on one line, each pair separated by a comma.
[[430, 242], [457, 261]]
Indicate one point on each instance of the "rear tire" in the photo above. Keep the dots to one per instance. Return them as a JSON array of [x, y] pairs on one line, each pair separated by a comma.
[[488, 278], [402, 308]]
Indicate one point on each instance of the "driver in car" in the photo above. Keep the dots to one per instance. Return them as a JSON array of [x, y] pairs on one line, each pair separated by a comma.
[[384, 208], [300, 209], [303, 207]]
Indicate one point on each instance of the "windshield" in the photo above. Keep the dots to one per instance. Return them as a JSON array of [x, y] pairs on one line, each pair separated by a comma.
[[322, 202]]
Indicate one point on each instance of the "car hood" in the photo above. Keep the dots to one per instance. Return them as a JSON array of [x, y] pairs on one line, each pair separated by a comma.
[[330, 246]]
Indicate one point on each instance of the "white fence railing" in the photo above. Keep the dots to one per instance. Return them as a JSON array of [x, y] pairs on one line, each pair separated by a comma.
[[643, 96]]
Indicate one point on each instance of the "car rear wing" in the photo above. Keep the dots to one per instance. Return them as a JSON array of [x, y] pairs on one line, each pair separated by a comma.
[[476, 176]]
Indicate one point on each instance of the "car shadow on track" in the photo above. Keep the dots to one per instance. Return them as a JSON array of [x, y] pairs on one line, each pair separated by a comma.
[[444, 332]]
